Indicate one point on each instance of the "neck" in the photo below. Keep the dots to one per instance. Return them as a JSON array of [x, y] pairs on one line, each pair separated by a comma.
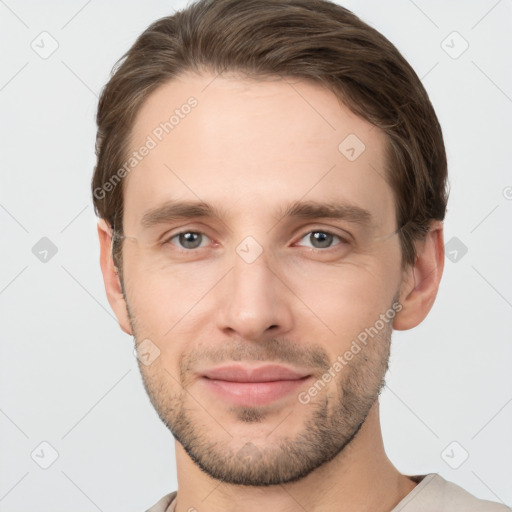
[[360, 477]]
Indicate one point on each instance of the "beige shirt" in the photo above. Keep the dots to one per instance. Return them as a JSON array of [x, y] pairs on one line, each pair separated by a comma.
[[432, 494]]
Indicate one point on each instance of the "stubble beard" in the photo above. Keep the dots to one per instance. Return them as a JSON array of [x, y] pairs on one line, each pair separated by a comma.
[[330, 421]]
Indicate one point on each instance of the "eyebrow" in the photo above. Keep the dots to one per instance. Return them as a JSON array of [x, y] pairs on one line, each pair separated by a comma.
[[179, 210]]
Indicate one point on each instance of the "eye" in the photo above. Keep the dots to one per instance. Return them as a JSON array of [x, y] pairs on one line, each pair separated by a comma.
[[323, 239], [188, 239]]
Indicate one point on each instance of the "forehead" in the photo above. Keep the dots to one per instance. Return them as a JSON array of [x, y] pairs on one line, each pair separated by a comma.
[[251, 146]]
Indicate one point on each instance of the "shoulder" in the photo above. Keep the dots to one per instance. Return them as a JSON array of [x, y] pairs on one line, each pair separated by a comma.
[[163, 504], [433, 492]]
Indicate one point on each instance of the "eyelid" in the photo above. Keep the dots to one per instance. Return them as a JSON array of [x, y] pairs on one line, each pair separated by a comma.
[[333, 230], [165, 237]]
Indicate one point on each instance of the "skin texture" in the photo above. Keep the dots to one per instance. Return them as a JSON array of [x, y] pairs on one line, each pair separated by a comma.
[[251, 147]]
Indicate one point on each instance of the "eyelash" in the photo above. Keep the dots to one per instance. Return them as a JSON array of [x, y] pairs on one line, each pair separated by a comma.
[[343, 240]]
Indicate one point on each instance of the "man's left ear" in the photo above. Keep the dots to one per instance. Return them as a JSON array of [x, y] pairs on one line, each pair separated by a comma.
[[421, 280]]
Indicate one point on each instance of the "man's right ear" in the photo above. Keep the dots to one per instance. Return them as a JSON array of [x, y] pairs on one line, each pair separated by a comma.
[[111, 278]]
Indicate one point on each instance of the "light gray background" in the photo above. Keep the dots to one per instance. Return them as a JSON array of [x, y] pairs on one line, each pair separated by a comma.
[[67, 372]]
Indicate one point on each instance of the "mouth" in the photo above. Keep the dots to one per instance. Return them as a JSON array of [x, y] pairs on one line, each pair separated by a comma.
[[252, 386]]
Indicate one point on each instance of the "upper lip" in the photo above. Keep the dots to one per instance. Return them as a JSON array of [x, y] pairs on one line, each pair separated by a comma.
[[267, 373]]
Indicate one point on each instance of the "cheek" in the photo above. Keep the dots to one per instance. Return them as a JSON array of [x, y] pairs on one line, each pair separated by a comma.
[[347, 297], [162, 297], [361, 283]]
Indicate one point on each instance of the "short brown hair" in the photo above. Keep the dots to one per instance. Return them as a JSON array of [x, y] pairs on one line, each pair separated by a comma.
[[309, 39]]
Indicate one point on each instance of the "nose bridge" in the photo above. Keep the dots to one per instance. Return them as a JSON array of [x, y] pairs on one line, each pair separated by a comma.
[[251, 268], [255, 298]]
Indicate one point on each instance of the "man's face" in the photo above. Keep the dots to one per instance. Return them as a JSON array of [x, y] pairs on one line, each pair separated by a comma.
[[253, 289]]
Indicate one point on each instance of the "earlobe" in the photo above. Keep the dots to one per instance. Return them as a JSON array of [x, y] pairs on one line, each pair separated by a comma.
[[421, 281], [111, 277]]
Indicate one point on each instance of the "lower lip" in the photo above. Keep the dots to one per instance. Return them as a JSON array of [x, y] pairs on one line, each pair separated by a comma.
[[254, 393]]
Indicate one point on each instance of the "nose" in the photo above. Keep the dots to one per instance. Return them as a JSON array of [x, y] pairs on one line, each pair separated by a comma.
[[255, 301]]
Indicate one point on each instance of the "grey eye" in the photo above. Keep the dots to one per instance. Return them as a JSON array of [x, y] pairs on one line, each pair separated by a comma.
[[189, 239], [322, 239]]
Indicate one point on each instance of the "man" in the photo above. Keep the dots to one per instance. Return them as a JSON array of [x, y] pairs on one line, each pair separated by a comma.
[[271, 186]]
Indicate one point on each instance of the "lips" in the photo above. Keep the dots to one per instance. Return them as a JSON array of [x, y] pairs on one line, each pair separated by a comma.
[[253, 386], [268, 373]]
